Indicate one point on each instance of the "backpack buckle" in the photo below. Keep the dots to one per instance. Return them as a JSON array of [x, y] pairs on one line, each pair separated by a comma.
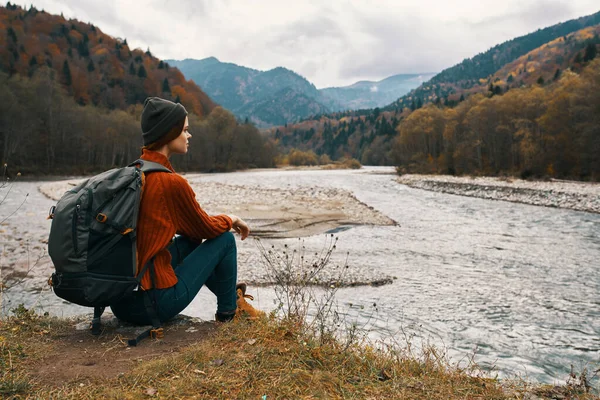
[[51, 212], [101, 218], [157, 333]]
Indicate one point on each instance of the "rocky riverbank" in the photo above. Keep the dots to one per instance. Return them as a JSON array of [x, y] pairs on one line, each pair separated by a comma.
[[275, 215], [579, 196]]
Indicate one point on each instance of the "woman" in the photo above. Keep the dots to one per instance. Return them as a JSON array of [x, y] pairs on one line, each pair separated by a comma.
[[184, 264]]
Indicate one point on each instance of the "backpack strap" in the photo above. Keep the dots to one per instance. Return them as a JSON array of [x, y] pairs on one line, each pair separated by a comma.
[[149, 166], [151, 307], [97, 322]]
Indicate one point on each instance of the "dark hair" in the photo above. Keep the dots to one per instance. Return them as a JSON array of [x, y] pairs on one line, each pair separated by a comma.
[[173, 133]]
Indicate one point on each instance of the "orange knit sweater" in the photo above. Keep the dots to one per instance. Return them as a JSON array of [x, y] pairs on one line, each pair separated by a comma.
[[169, 206]]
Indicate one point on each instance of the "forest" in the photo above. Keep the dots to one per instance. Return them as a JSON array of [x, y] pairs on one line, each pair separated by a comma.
[[45, 131], [551, 130], [72, 97]]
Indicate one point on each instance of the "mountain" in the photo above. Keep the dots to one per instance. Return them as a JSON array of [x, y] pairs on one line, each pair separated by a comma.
[[514, 119], [371, 94], [282, 107], [469, 72], [94, 68], [253, 94]]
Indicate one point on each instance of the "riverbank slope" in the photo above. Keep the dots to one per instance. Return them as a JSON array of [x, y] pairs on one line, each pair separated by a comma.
[[46, 357]]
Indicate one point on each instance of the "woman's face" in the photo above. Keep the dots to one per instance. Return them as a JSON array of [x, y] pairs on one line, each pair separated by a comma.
[[180, 144]]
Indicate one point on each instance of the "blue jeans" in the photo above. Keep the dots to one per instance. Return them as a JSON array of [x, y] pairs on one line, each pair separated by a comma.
[[212, 263]]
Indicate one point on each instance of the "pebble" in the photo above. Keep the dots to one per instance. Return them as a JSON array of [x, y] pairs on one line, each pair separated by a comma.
[[579, 196]]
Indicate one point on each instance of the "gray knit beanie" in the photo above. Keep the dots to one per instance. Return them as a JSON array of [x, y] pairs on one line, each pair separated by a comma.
[[158, 117]]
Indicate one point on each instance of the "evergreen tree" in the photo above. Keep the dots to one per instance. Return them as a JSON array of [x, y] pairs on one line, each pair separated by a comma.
[[590, 52], [82, 49], [131, 69], [91, 66], [165, 86], [557, 74], [462, 98], [11, 34], [67, 73], [510, 78], [142, 72], [177, 99], [578, 58], [33, 62], [161, 65], [540, 80]]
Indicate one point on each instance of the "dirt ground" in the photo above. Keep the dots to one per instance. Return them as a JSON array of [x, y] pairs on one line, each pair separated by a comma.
[[79, 356]]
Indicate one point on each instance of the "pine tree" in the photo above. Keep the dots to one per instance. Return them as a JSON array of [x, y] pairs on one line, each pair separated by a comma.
[[67, 73], [557, 74], [510, 78], [165, 86], [540, 80], [177, 99], [590, 52], [131, 69], [142, 72], [11, 34], [161, 65], [91, 67], [578, 58], [82, 49]]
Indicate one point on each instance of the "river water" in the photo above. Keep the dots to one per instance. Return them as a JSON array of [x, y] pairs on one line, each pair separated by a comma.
[[515, 285]]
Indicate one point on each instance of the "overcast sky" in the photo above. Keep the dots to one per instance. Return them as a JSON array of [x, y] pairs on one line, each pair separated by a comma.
[[330, 42]]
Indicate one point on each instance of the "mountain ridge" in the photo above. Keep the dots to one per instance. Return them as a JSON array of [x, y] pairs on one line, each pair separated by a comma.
[[248, 92]]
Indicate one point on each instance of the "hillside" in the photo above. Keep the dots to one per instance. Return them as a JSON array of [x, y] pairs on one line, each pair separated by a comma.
[[534, 116], [371, 94], [469, 72], [72, 98], [95, 68]]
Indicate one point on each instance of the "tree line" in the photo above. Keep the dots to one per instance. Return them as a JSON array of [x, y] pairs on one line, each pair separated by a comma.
[[43, 130], [551, 130]]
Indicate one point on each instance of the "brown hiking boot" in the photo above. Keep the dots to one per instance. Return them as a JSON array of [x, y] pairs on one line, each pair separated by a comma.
[[244, 309]]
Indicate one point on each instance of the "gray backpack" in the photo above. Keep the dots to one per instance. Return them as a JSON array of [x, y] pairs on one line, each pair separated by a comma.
[[92, 240]]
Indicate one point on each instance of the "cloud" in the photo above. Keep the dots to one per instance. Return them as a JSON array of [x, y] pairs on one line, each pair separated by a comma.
[[330, 43]]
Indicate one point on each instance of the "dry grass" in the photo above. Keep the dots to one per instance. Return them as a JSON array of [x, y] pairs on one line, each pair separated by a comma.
[[272, 357]]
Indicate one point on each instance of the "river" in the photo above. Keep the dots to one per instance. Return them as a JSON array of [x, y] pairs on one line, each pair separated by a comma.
[[515, 285]]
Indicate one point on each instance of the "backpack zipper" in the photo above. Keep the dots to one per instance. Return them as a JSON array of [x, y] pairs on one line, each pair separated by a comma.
[[88, 217], [74, 228]]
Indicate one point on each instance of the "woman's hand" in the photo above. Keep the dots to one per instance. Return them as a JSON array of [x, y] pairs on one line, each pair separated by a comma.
[[240, 226]]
